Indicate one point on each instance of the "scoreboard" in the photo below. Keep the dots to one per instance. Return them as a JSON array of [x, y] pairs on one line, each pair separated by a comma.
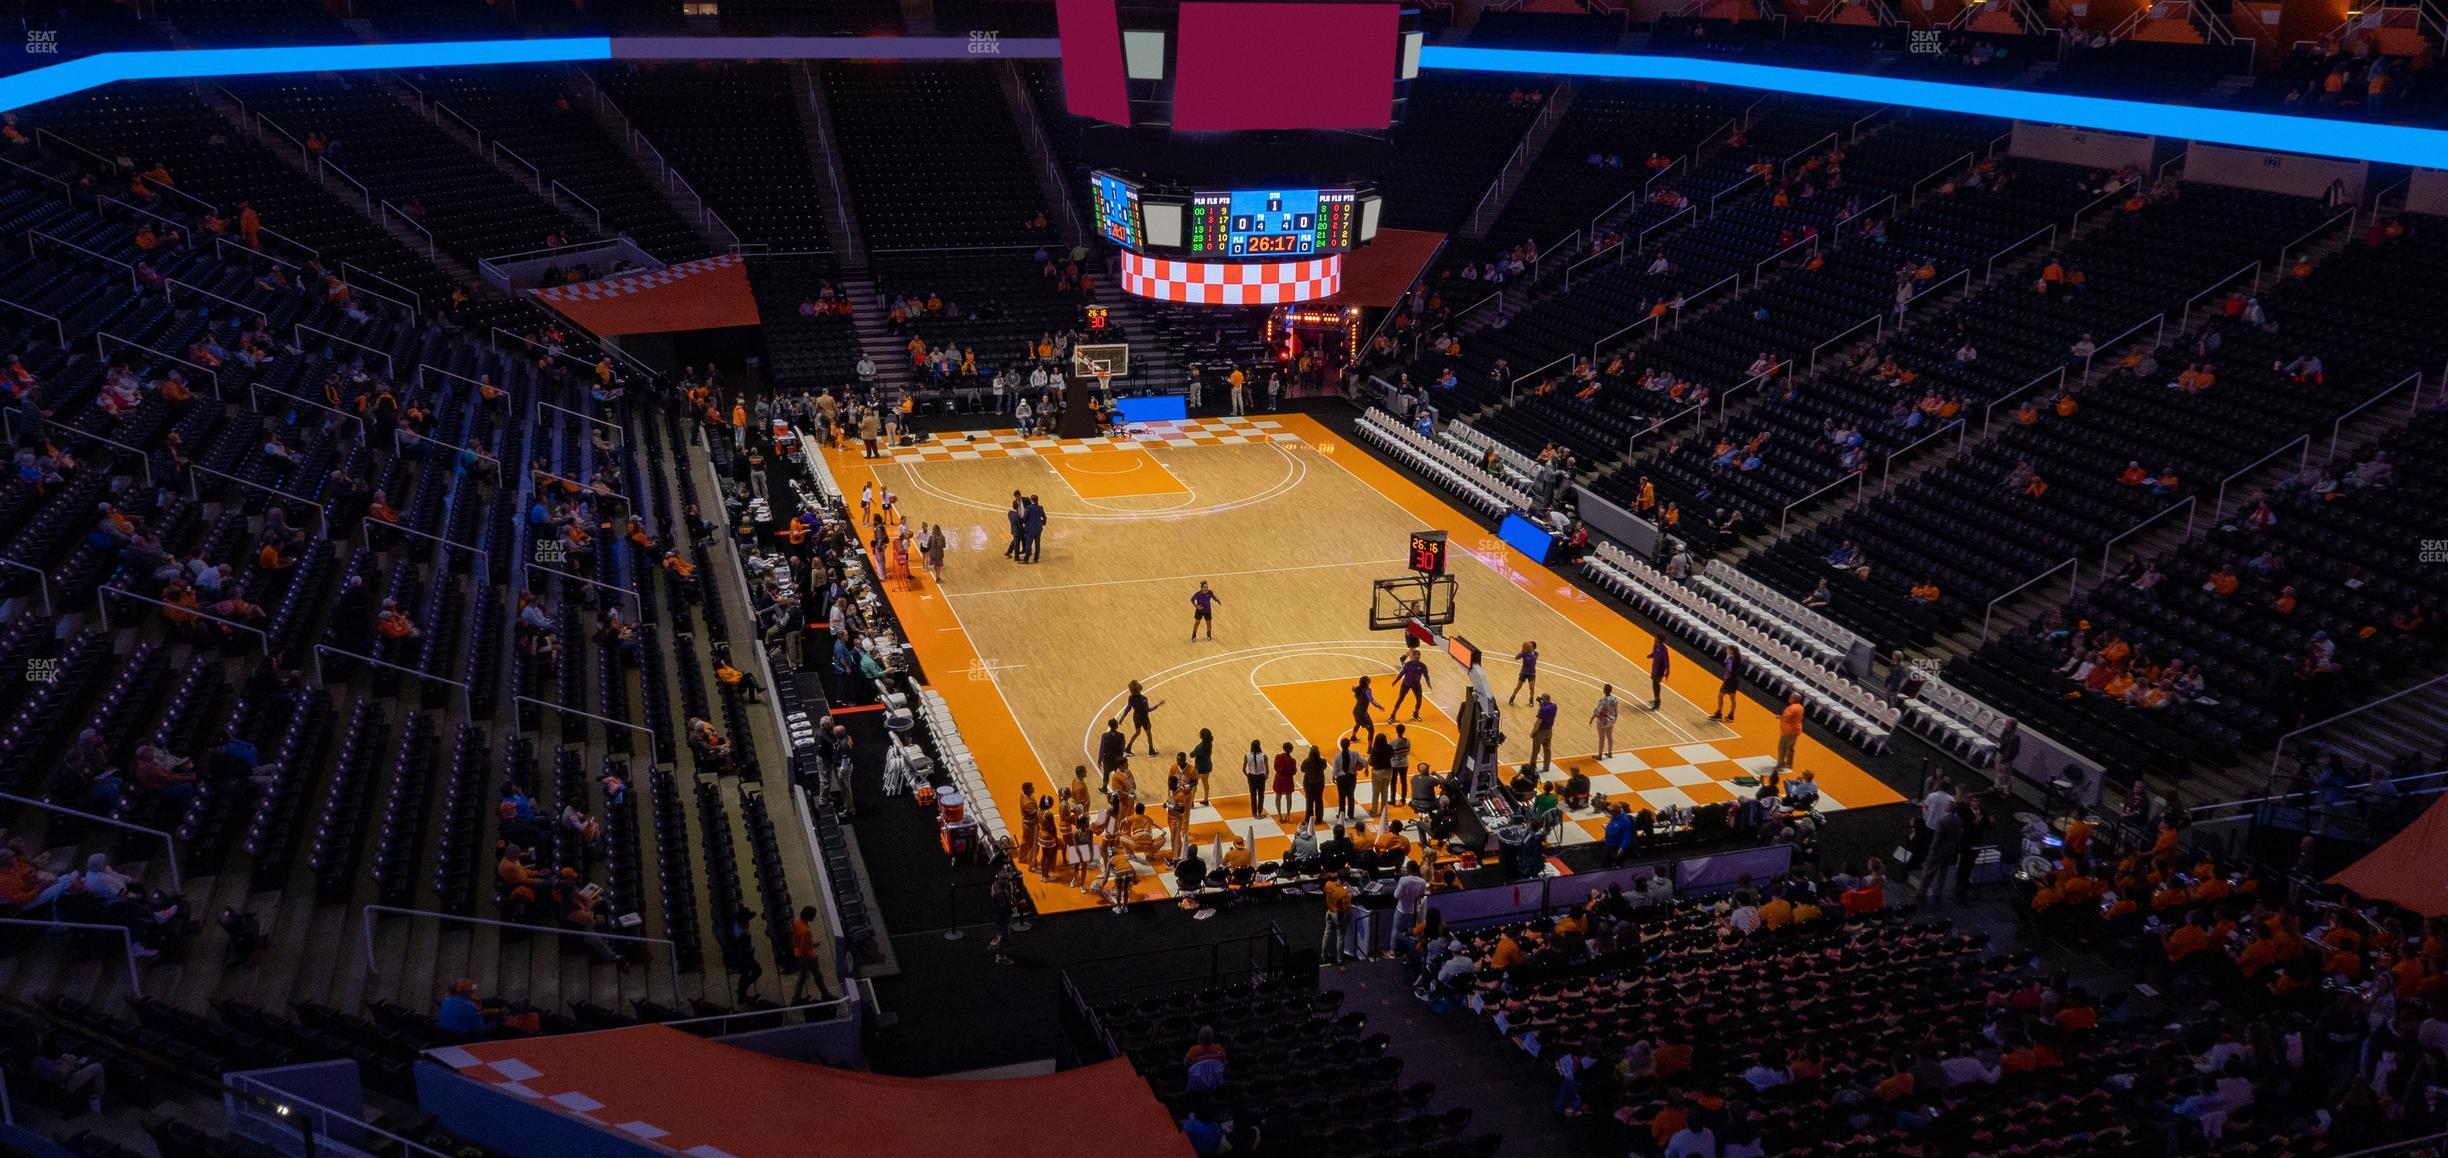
[[1118, 214], [1272, 222]]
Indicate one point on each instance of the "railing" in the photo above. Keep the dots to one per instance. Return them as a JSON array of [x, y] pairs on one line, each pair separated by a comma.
[[1806, 150], [2074, 564], [464, 123], [135, 987], [365, 922], [1474, 226], [501, 150], [1862, 212], [1649, 183], [1859, 479], [1513, 385], [1660, 423], [2185, 320], [65, 191], [1941, 171], [42, 578], [2288, 250], [2379, 200], [102, 606], [2112, 194], [322, 524], [1759, 270], [2159, 320], [352, 272], [263, 122], [565, 709], [1731, 279], [367, 522], [255, 388], [2280, 751], [341, 173], [1989, 267], [59, 331], [2413, 407], [1887, 469], [1640, 243], [2179, 159], [221, 248], [1933, 289], [1539, 262], [561, 190], [1854, 132], [2005, 139], [323, 1129], [1877, 321], [431, 250], [103, 352], [182, 195], [42, 135], [144, 458], [1596, 256], [140, 211], [2192, 507], [390, 369], [1474, 307], [31, 234], [169, 845], [636, 599], [1650, 320], [170, 283], [1728, 191], [2220, 510], [620, 435]]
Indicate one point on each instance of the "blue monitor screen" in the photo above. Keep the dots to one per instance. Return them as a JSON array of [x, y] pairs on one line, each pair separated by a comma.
[[1526, 537], [1154, 408], [1117, 210]]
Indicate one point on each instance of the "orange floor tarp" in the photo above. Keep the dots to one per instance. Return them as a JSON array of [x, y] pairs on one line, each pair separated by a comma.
[[2411, 869], [708, 294], [687, 1092]]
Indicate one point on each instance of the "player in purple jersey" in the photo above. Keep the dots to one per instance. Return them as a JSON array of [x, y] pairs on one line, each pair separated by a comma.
[[1409, 681], [1202, 609]]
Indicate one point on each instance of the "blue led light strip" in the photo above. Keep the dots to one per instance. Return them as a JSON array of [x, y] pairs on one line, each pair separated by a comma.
[[102, 68], [2352, 140]]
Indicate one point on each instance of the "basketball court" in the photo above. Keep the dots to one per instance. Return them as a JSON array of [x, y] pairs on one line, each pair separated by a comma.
[[1292, 527]]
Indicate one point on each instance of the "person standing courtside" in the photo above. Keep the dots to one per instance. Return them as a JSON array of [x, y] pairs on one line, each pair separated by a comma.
[[1016, 517], [1032, 529], [1789, 730], [1410, 680], [1602, 717], [1661, 661], [1142, 725], [1542, 733], [1202, 610], [1528, 657], [1729, 686]]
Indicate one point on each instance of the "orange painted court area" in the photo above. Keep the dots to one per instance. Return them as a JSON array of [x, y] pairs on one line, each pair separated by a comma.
[[1115, 473], [1079, 608]]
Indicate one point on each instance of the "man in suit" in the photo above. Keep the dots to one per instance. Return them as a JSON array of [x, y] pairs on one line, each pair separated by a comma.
[[1012, 516], [1660, 662], [1032, 529]]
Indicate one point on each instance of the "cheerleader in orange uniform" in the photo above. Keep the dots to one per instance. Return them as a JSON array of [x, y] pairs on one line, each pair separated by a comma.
[[1049, 840]]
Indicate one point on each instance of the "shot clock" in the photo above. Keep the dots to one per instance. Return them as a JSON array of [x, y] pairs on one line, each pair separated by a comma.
[[1428, 552]]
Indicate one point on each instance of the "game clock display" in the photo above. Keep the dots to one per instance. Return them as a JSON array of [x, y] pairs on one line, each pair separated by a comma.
[[1272, 222], [1428, 552]]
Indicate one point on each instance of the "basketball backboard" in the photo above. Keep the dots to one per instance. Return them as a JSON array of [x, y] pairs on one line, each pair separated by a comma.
[[1395, 603], [1087, 359]]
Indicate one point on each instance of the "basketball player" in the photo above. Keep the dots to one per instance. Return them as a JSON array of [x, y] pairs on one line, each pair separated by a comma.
[[1409, 680], [1528, 658], [1140, 709], [1202, 610], [1363, 700]]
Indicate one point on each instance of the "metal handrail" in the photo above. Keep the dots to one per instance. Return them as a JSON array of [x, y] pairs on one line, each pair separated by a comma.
[[501, 150], [1853, 133], [572, 194], [1806, 150], [169, 844], [263, 122], [2075, 563], [1759, 269], [639, 601], [1538, 260], [464, 123], [2284, 251], [1649, 182], [2159, 319], [2185, 320], [350, 271], [1859, 479], [144, 458], [1862, 212], [322, 524], [1989, 268], [2192, 503], [1748, 177], [59, 330], [1595, 347], [1941, 171], [1887, 469], [330, 167], [41, 577], [1876, 320], [1933, 288], [1514, 384], [390, 368], [431, 249], [132, 207], [181, 194], [103, 353], [1616, 248], [1784, 367], [1640, 241], [221, 251], [606, 720], [2282, 797], [135, 987], [1472, 308], [102, 606], [172, 281], [31, 234], [403, 669], [366, 522], [65, 189], [2279, 752], [41, 135], [2413, 407], [254, 388], [2220, 510], [365, 921]]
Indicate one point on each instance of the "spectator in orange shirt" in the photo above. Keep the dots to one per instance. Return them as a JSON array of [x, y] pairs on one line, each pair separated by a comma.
[[1789, 730]]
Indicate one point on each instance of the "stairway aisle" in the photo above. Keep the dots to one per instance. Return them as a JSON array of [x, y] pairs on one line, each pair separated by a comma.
[[1507, 1091]]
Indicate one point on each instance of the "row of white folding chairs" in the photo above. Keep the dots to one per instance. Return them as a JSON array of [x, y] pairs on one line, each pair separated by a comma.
[[1779, 604], [1766, 619], [1471, 486], [1463, 457], [1477, 443], [960, 765], [1516, 471], [1962, 724], [1839, 702]]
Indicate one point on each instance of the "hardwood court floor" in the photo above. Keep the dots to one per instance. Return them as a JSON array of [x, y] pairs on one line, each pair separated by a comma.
[[1289, 524]]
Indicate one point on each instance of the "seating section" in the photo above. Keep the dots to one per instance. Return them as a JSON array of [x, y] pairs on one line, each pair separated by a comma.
[[734, 135], [546, 124], [1463, 475], [812, 343], [1456, 135], [899, 190]]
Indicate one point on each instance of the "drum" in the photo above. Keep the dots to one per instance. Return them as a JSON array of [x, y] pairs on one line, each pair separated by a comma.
[[950, 808]]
